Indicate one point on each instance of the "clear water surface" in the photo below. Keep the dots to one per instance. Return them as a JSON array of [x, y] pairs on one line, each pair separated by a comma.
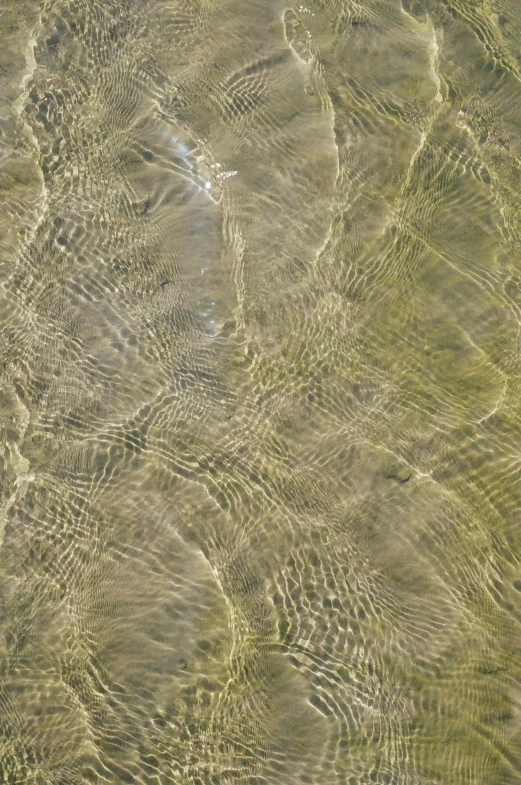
[[260, 302]]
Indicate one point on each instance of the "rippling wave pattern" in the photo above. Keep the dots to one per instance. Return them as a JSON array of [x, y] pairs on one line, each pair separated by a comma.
[[260, 307]]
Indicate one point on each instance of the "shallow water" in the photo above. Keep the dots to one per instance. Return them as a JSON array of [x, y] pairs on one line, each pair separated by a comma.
[[260, 411]]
